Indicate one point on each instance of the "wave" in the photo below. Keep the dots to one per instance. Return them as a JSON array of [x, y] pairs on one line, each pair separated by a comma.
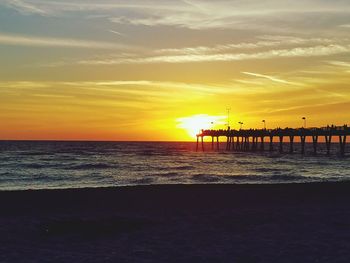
[[37, 166], [92, 166], [180, 168], [289, 177], [206, 178], [146, 180], [168, 174], [148, 153], [244, 162], [34, 153], [6, 175], [270, 170]]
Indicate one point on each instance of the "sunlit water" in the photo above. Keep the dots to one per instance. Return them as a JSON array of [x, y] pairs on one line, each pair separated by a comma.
[[43, 165]]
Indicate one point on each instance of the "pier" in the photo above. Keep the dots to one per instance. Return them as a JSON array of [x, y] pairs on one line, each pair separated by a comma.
[[256, 139]]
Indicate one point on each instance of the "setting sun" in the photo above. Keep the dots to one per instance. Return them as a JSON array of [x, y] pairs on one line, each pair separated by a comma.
[[193, 124]]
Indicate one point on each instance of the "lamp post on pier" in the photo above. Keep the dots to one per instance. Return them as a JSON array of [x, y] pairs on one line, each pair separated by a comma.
[[228, 117], [304, 118], [264, 124], [240, 123]]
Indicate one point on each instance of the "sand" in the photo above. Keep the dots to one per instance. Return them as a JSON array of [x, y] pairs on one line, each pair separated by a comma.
[[178, 223]]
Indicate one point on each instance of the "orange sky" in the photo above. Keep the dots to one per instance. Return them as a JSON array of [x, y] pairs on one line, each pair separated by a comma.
[[136, 70]]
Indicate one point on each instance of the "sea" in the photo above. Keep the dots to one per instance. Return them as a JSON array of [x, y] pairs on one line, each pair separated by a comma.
[[33, 165]]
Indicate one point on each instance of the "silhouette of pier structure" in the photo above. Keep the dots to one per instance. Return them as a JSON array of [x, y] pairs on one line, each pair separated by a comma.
[[254, 139]]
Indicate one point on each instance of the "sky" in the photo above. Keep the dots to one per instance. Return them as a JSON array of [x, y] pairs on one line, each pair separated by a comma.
[[160, 70]]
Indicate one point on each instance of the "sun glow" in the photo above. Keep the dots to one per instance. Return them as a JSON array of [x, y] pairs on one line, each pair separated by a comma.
[[194, 124]]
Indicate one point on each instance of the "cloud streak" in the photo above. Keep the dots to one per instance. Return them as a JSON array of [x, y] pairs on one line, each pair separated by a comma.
[[315, 51], [272, 78], [20, 40], [340, 63], [345, 26], [24, 7], [116, 32], [128, 86], [266, 42]]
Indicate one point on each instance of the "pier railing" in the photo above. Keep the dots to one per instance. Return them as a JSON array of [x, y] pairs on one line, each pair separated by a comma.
[[254, 139]]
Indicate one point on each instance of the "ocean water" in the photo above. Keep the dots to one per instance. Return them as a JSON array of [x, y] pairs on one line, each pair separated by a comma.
[[47, 165]]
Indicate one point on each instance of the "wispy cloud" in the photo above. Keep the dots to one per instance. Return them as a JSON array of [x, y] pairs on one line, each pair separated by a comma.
[[195, 87], [20, 40], [345, 26], [24, 7], [53, 96], [266, 42], [272, 78], [324, 50], [340, 63], [116, 32], [120, 86], [23, 84]]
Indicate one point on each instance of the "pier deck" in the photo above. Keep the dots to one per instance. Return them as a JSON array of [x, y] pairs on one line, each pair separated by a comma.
[[254, 139]]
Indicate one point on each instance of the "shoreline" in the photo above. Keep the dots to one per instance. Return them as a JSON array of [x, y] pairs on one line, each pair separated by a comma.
[[210, 184]]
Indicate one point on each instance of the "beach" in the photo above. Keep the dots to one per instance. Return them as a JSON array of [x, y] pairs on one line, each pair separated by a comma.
[[178, 223]]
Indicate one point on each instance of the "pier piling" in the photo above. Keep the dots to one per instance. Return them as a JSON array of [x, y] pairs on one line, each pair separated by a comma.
[[240, 142], [302, 140], [291, 142], [262, 143], [233, 143], [328, 139], [342, 141], [314, 143], [246, 142], [281, 144], [254, 142], [271, 143]]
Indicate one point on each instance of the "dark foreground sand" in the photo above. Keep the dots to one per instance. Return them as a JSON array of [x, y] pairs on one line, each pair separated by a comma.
[[178, 223]]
